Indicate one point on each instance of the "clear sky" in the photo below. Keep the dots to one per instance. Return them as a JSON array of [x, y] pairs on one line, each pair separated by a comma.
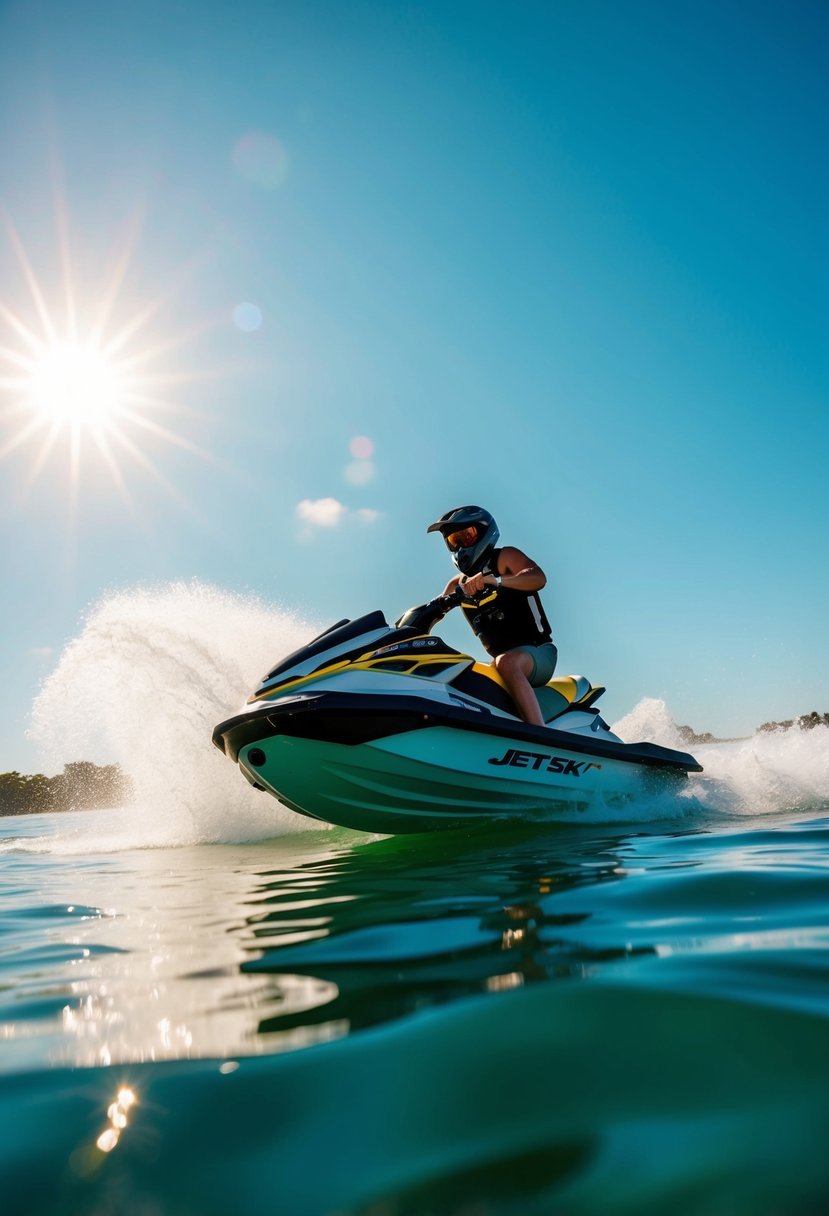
[[316, 272]]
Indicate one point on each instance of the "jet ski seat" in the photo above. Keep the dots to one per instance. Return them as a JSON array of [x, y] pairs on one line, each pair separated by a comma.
[[566, 692]]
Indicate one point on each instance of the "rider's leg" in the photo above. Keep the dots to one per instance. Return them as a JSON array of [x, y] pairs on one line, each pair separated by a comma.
[[515, 668]]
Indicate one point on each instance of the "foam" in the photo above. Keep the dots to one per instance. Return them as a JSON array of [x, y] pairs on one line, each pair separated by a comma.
[[151, 673], [769, 772]]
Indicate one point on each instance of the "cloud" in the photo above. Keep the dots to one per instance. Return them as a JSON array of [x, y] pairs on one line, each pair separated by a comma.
[[321, 512], [330, 513]]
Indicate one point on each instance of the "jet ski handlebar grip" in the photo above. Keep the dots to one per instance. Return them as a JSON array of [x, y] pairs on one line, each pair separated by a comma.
[[426, 616]]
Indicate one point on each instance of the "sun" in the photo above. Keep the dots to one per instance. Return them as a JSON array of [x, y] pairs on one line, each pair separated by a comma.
[[75, 385], [73, 380]]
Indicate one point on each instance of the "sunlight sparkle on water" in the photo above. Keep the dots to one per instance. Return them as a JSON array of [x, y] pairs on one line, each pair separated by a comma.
[[117, 1113]]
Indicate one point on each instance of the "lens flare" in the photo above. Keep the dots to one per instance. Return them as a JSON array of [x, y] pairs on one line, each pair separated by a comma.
[[361, 447], [247, 317], [73, 380], [360, 472]]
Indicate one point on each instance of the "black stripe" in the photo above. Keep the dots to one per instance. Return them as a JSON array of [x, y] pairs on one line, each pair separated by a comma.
[[355, 718]]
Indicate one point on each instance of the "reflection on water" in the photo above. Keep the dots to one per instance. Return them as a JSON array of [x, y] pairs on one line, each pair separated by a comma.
[[238, 950], [500, 1023], [117, 1113], [146, 969], [410, 927]]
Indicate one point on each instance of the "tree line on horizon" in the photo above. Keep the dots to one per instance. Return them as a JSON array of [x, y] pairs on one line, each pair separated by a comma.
[[81, 786], [805, 722]]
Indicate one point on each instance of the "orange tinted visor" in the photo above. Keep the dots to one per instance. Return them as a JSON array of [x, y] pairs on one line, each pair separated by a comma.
[[462, 538]]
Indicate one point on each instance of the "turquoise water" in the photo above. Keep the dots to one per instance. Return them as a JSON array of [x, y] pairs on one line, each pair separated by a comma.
[[208, 1009], [530, 1021]]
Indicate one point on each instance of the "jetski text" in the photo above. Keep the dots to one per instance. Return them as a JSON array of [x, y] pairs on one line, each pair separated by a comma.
[[549, 764]]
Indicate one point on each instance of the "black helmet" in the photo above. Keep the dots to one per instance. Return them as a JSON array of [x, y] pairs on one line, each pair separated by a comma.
[[469, 557]]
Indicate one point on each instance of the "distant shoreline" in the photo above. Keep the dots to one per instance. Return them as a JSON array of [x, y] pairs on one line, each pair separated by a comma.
[[81, 786], [803, 722]]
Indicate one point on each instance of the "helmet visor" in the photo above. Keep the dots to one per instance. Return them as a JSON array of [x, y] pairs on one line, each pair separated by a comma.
[[462, 538]]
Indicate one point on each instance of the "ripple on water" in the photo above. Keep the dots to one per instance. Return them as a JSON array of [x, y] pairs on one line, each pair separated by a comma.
[[634, 1016]]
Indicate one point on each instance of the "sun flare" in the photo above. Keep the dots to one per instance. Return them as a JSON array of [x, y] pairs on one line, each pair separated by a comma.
[[75, 384], [74, 380]]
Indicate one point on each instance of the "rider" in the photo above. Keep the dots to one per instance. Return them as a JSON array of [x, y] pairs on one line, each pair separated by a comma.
[[502, 605]]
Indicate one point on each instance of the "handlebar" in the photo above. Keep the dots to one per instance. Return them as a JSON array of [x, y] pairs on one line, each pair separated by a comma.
[[426, 616]]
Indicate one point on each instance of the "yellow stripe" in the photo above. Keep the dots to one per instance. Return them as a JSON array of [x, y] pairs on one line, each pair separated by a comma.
[[363, 663], [314, 675], [566, 685], [479, 603], [424, 660], [489, 670]]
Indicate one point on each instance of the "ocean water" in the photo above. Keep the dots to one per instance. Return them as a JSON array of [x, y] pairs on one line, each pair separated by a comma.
[[208, 1007]]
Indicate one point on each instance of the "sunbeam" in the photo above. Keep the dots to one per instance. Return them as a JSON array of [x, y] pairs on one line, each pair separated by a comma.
[[76, 384]]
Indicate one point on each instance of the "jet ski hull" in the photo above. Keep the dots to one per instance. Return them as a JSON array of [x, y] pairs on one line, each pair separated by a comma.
[[395, 765]]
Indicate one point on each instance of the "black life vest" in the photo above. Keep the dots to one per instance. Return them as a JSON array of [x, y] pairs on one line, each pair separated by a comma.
[[504, 618]]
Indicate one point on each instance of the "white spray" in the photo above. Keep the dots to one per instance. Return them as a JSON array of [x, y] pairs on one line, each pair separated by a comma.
[[154, 669], [770, 771], [152, 672]]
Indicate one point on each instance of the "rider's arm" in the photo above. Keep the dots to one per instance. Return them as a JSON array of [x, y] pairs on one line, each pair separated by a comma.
[[451, 585], [517, 572]]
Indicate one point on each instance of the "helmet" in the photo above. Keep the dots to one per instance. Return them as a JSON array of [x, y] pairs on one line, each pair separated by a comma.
[[470, 555]]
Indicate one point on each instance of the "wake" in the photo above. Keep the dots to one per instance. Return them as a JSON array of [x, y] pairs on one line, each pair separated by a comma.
[[769, 772]]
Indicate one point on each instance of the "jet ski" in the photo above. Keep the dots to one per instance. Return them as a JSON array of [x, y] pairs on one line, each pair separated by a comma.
[[386, 729]]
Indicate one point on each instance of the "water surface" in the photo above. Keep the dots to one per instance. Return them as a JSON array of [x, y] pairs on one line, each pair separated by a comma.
[[529, 1020]]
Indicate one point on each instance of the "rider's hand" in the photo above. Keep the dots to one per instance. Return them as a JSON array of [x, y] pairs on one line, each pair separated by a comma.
[[474, 584]]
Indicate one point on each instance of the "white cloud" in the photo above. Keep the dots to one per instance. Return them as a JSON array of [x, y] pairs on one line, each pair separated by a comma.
[[321, 512], [41, 652], [330, 513]]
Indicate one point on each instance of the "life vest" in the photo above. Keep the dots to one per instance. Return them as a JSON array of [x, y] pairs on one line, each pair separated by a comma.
[[504, 618]]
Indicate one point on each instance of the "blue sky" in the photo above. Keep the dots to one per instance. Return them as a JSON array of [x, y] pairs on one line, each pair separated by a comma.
[[567, 260]]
